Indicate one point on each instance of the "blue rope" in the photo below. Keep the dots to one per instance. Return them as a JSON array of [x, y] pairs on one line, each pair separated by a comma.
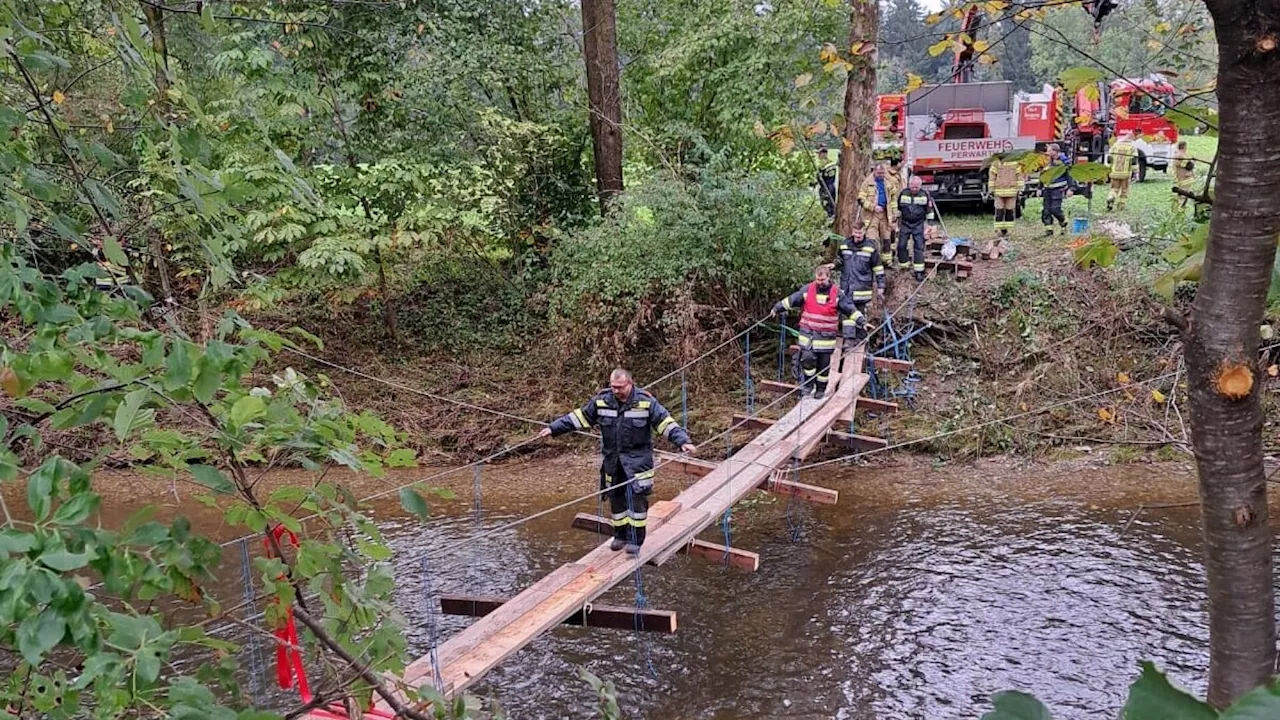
[[782, 347], [751, 385], [793, 524], [724, 525], [257, 665], [476, 491], [433, 623], [642, 600], [684, 401]]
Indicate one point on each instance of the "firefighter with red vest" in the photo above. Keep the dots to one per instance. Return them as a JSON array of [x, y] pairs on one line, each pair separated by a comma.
[[821, 309]]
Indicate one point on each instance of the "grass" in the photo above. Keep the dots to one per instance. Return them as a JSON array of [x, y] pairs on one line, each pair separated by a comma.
[[1148, 212]]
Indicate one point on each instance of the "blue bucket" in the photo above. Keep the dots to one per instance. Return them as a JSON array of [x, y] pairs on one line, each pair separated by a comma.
[[1079, 226]]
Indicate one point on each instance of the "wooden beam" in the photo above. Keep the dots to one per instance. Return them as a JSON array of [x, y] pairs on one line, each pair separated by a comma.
[[873, 405], [881, 363], [741, 559], [689, 466], [751, 422], [862, 442], [811, 493], [863, 403], [601, 616], [884, 363]]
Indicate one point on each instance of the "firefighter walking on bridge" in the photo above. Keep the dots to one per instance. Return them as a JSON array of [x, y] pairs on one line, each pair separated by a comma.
[[627, 417]]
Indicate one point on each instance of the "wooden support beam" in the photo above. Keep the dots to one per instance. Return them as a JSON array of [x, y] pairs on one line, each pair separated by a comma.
[[881, 363], [862, 442], [696, 468], [711, 552], [862, 403], [601, 616], [811, 493]]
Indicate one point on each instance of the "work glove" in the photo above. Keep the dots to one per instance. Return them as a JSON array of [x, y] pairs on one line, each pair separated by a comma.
[[779, 311]]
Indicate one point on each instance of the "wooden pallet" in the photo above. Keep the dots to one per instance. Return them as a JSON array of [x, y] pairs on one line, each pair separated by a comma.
[[961, 268]]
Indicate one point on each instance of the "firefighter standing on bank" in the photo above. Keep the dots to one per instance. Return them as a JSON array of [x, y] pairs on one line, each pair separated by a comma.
[[627, 416], [1054, 191], [827, 171], [876, 199], [1004, 179], [1184, 173], [820, 326], [914, 208], [1122, 154]]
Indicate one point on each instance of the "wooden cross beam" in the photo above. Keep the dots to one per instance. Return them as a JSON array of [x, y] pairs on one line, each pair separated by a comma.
[[601, 616], [881, 363], [710, 552], [775, 484], [861, 442], [863, 403]]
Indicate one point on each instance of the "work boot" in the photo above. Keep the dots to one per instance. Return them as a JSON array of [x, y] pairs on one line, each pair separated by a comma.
[[819, 393], [919, 276], [1111, 205], [1048, 232], [617, 544], [633, 550]]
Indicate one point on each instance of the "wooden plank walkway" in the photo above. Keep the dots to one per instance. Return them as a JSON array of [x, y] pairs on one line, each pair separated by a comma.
[[673, 527]]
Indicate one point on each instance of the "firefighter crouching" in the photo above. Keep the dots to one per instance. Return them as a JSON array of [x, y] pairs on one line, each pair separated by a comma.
[[914, 207], [627, 417], [1122, 154], [820, 326], [1004, 179], [1054, 191], [1184, 173], [876, 197]]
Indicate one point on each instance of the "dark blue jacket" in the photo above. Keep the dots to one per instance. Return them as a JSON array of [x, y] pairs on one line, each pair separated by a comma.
[[626, 433]]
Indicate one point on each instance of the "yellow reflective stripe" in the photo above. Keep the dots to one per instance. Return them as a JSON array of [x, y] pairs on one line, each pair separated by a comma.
[[643, 404], [786, 302], [666, 424], [643, 475], [862, 293], [824, 344], [601, 403], [867, 251], [579, 418], [918, 267]]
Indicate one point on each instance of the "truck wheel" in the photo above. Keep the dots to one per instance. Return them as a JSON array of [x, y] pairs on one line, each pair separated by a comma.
[[1142, 166]]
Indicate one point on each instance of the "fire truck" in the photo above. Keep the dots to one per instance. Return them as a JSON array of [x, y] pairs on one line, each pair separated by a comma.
[[1085, 122], [947, 132]]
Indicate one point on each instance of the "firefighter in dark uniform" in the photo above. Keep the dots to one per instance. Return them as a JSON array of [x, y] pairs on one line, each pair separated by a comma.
[[914, 208], [1054, 191], [820, 326], [827, 171], [627, 417], [861, 274]]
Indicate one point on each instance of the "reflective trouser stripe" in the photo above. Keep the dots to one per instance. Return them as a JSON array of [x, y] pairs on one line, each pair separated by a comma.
[[620, 519], [862, 294], [918, 267]]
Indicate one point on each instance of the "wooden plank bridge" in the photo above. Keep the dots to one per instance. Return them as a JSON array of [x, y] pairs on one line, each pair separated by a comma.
[[565, 595]]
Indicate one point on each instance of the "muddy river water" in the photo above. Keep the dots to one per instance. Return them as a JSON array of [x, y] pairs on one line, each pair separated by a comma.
[[920, 594]]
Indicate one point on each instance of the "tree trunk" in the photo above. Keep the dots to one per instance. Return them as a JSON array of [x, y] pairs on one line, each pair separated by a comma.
[[388, 309], [859, 115], [600, 50], [1222, 351]]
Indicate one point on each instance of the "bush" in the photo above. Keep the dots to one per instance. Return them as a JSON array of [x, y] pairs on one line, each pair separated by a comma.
[[678, 259]]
